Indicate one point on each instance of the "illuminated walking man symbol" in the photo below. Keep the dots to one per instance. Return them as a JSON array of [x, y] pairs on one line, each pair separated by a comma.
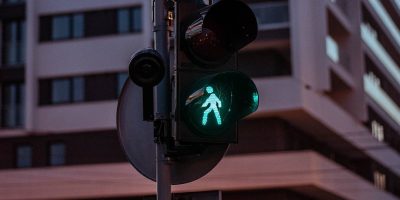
[[213, 101]]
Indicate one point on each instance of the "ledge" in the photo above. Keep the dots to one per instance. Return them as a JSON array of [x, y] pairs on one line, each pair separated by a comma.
[[295, 170]]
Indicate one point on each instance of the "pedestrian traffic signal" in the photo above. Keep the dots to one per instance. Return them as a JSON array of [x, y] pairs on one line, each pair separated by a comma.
[[211, 95], [213, 106]]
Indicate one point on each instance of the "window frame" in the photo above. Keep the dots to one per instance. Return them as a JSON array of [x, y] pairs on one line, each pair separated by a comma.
[[50, 154], [71, 18], [71, 91], [18, 104], [19, 40], [46, 29], [17, 156], [132, 18], [68, 93], [87, 92]]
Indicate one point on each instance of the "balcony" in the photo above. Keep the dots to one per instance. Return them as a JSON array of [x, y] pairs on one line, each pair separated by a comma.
[[373, 90], [386, 19], [370, 39]]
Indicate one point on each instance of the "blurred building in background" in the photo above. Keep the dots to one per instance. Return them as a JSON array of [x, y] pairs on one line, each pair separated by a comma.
[[328, 124]]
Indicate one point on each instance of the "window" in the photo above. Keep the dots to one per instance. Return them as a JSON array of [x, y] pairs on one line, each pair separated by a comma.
[[379, 180], [12, 100], [123, 20], [374, 79], [136, 19], [90, 24], [57, 154], [129, 20], [67, 27], [13, 45], [24, 156], [77, 26], [367, 29], [332, 49], [60, 27], [67, 90], [94, 87], [377, 130], [78, 89], [121, 77], [62, 90], [271, 14]]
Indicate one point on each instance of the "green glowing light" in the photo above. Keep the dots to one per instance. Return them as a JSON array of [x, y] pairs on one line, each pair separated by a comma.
[[214, 103], [255, 97]]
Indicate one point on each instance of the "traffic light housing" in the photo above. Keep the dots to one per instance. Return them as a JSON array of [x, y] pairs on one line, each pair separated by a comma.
[[214, 33], [211, 95]]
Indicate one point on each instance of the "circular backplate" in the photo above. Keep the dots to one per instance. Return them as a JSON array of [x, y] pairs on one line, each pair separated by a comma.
[[136, 137]]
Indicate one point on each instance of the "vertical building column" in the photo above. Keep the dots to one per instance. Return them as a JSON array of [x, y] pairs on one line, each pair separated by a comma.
[[356, 101], [308, 29], [30, 76]]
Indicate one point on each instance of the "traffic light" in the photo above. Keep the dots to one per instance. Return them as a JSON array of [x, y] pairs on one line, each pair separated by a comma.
[[211, 95]]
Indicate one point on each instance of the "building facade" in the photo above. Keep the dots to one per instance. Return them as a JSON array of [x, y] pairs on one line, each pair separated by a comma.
[[327, 127]]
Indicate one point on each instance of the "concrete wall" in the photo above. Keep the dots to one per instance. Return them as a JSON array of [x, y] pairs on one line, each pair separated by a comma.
[[77, 57]]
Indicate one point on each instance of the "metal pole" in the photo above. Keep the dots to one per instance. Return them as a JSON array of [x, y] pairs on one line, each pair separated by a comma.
[[163, 98], [163, 104], [163, 175]]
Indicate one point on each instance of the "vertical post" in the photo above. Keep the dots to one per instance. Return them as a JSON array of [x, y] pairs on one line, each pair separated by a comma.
[[163, 103], [163, 175], [163, 99]]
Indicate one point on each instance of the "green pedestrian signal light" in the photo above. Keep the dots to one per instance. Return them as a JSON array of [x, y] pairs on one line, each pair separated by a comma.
[[215, 103], [255, 97]]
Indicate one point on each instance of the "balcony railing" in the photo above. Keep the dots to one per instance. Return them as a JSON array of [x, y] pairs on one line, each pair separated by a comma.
[[386, 19], [372, 42], [381, 98]]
